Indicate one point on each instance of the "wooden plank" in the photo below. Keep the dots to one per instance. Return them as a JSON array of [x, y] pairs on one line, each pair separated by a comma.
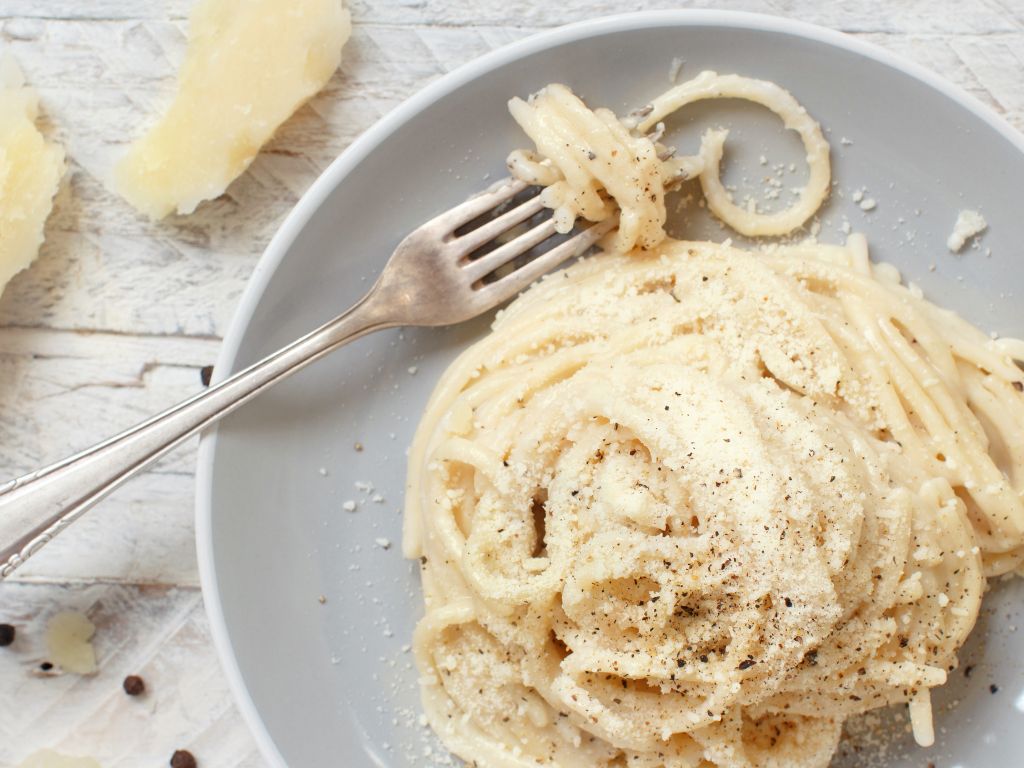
[[142, 534], [65, 391], [854, 15], [68, 390], [93, 10], [158, 633]]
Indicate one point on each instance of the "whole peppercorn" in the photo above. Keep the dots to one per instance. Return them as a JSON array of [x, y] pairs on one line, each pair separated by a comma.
[[134, 685], [6, 635], [182, 758]]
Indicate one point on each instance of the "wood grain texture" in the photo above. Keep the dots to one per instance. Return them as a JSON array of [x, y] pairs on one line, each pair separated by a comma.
[[158, 633], [118, 315]]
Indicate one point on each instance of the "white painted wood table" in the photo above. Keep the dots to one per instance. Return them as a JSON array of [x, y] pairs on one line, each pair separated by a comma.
[[118, 316]]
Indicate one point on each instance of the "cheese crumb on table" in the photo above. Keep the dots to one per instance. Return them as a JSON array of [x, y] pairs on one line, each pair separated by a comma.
[[249, 65], [68, 636], [47, 758], [30, 172], [968, 224]]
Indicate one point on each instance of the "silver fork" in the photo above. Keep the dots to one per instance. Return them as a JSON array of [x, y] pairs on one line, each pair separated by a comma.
[[431, 279]]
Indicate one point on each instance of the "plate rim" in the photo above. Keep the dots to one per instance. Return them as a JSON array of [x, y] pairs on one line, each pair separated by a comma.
[[376, 134]]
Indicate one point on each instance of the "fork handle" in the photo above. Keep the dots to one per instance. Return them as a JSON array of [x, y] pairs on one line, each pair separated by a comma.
[[36, 507]]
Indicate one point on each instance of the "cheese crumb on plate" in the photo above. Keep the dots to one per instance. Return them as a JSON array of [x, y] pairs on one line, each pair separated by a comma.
[[249, 65], [968, 224]]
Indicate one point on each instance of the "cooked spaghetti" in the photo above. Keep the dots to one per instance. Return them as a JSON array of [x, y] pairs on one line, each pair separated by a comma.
[[696, 506], [592, 165]]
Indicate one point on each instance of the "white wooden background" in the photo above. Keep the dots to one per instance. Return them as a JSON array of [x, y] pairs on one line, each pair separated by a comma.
[[118, 315]]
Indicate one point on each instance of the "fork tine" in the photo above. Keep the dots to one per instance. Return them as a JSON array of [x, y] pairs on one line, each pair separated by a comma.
[[508, 286], [464, 213], [486, 232], [480, 268]]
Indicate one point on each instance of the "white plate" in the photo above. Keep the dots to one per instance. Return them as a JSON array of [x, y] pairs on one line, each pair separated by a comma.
[[330, 684]]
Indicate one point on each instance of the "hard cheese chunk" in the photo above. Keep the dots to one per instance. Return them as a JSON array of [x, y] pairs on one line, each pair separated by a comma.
[[68, 636], [30, 172], [49, 759], [968, 224], [249, 65]]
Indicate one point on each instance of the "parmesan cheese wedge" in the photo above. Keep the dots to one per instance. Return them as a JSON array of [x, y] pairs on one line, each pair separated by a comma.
[[47, 758], [30, 173], [249, 65]]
